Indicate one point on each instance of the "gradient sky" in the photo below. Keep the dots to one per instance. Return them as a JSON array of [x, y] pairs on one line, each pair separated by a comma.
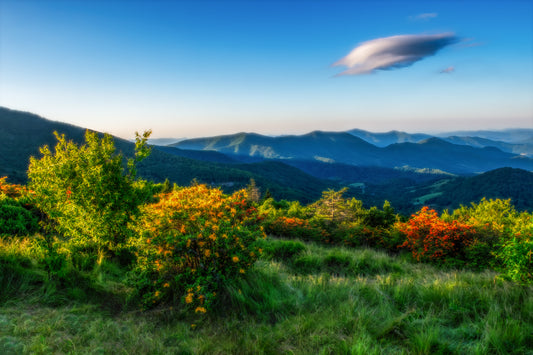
[[198, 68]]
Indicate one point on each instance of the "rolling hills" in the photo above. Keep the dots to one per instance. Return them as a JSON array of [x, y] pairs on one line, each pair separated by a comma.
[[22, 133], [345, 148], [301, 167], [504, 183], [516, 141]]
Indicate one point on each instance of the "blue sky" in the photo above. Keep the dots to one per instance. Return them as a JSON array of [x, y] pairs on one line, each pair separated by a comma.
[[190, 69]]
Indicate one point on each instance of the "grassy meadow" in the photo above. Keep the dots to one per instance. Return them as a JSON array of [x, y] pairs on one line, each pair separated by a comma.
[[299, 298]]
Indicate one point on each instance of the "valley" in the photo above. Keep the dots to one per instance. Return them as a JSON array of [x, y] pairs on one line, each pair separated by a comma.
[[406, 169]]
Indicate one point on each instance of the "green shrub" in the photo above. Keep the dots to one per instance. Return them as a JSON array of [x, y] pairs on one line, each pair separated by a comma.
[[516, 253], [16, 220], [503, 237]]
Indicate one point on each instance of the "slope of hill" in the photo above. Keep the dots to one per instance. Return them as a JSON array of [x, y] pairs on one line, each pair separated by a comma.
[[203, 155], [164, 141], [504, 183], [22, 134], [516, 141], [515, 135], [322, 146], [436, 153], [388, 138], [348, 174], [516, 148]]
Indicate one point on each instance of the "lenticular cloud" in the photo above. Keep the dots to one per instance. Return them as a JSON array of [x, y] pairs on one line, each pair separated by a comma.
[[393, 52]]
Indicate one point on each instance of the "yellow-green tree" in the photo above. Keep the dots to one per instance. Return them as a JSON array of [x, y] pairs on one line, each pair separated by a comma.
[[88, 193]]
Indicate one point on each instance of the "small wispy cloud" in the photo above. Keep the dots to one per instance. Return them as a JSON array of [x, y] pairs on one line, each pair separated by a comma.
[[448, 70], [393, 52], [423, 17]]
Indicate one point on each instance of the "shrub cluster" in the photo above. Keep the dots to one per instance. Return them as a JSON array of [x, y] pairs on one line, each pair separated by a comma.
[[17, 215], [505, 237], [431, 239], [193, 241], [489, 234], [331, 220]]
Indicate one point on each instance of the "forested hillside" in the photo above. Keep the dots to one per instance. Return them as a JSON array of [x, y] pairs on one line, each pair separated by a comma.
[[23, 133]]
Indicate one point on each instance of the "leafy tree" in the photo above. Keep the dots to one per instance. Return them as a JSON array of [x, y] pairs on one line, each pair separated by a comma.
[[332, 206], [253, 191], [86, 192]]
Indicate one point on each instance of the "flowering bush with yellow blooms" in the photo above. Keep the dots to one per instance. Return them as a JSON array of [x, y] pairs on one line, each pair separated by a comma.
[[192, 241]]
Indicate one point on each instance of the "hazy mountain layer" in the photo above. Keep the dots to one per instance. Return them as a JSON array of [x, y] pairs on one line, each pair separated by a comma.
[[342, 147]]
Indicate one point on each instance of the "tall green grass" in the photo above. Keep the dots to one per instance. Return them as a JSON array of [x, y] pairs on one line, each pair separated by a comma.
[[300, 298]]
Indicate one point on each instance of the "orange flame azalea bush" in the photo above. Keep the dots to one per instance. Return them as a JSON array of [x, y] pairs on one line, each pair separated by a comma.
[[191, 242], [431, 239]]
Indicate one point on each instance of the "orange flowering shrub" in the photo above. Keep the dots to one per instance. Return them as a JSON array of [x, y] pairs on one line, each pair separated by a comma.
[[194, 240], [431, 239]]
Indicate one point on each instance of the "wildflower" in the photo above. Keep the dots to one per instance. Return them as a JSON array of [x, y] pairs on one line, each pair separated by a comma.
[[207, 253], [200, 310], [242, 271], [157, 293], [189, 298], [166, 284], [235, 259]]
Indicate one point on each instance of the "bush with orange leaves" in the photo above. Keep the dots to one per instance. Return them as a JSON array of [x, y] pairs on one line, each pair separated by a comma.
[[192, 242], [429, 238]]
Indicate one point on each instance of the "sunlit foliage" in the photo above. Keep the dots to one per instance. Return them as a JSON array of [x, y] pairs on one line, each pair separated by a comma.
[[192, 242]]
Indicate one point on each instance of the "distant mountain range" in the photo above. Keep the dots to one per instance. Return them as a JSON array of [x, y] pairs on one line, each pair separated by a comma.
[[345, 148], [516, 141], [407, 169], [388, 138]]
